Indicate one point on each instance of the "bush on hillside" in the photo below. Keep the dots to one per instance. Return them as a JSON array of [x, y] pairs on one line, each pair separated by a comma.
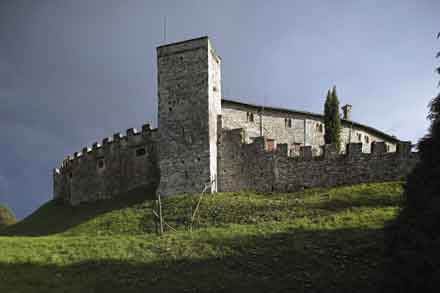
[[6, 217], [413, 240]]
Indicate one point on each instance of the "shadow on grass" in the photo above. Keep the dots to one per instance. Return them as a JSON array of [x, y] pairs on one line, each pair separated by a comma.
[[296, 261], [53, 217], [378, 201]]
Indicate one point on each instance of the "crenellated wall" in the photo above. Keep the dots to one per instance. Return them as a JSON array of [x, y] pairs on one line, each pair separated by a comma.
[[251, 166], [128, 165], [120, 165]]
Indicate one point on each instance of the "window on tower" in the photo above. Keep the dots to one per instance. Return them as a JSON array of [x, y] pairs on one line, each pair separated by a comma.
[[140, 152], [100, 163]]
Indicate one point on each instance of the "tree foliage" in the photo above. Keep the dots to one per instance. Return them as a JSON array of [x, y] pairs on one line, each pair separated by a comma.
[[332, 120], [413, 240], [6, 217]]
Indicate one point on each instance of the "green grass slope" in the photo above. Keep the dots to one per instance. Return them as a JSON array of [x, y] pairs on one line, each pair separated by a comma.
[[327, 240]]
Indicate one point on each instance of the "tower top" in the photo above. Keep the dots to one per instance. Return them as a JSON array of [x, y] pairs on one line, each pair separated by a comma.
[[184, 41], [186, 45]]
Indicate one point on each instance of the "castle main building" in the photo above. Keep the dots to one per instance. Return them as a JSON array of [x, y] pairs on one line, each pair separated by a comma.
[[206, 142]]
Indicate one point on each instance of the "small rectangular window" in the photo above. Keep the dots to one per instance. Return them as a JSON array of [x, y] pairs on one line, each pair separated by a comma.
[[140, 152], [250, 116], [101, 163]]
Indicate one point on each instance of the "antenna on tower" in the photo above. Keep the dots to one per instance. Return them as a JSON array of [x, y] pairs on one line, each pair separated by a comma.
[[165, 28], [261, 115]]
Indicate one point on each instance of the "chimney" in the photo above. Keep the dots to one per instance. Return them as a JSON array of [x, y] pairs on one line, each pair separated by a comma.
[[346, 110]]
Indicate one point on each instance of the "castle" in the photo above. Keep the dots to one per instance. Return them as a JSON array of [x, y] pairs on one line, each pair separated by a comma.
[[207, 143]]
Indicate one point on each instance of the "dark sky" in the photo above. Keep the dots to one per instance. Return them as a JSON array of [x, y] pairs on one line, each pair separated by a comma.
[[72, 72]]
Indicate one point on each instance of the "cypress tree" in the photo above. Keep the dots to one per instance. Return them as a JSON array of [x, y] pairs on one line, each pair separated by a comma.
[[327, 116], [332, 120]]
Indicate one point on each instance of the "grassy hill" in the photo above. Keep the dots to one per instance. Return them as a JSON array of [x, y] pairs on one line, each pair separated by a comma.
[[327, 240]]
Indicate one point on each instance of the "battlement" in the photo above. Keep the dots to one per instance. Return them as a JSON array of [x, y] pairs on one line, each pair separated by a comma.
[[118, 164], [264, 165], [329, 152], [108, 145]]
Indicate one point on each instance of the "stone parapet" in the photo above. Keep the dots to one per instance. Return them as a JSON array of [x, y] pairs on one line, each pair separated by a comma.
[[119, 165], [246, 166]]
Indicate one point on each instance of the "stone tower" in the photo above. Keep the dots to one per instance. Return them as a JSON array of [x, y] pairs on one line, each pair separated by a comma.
[[189, 86]]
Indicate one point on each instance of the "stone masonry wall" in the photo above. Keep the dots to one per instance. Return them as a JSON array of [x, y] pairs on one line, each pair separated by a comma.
[[304, 130], [215, 108], [231, 157], [251, 166], [122, 165]]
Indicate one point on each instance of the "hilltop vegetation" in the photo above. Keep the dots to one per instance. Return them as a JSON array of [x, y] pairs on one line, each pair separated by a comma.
[[317, 240], [7, 217]]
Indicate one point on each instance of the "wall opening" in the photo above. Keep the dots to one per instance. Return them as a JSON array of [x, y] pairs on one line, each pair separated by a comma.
[[100, 164], [141, 152]]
